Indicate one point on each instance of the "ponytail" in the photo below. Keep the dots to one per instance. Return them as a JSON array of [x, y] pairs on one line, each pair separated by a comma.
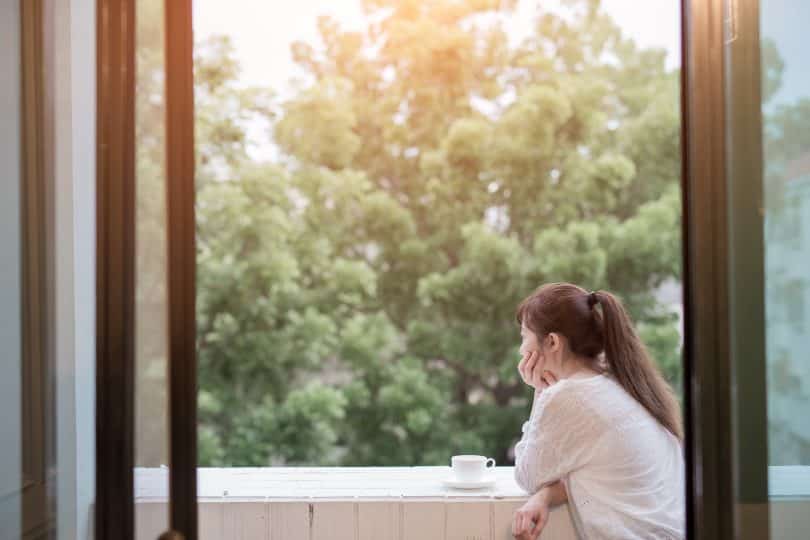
[[631, 365]]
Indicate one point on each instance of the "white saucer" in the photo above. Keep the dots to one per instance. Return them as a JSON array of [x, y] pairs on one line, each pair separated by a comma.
[[453, 482]]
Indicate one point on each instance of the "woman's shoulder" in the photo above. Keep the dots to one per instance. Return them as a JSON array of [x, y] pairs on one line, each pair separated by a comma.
[[565, 393], [568, 408], [573, 386], [588, 395]]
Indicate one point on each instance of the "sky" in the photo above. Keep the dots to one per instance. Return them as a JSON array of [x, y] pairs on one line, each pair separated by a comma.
[[262, 30]]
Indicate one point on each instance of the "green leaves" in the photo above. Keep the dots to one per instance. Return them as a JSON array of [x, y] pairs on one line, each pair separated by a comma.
[[575, 254], [306, 426], [465, 144], [317, 126], [526, 134]]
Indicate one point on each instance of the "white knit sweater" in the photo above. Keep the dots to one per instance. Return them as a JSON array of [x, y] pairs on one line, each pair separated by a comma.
[[623, 471]]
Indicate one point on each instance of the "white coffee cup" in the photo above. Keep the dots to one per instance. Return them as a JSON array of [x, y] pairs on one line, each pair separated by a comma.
[[469, 468]]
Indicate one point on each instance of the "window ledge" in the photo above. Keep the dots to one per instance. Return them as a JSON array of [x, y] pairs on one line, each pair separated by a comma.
[[789, 481], [297, 483]]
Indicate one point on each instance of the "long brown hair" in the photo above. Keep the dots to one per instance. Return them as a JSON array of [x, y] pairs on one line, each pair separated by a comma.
[[573, 312]]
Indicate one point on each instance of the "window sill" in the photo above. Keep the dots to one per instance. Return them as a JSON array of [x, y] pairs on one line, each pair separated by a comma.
[[297, 483]]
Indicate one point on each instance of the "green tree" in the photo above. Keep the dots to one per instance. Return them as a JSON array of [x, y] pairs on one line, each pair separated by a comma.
[[356, 294]]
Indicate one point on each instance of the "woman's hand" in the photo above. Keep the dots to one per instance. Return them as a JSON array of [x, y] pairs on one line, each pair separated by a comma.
[[530, 518], [531, 371]]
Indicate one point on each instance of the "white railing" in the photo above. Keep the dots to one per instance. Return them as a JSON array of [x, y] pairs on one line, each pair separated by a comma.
[[341, 503]]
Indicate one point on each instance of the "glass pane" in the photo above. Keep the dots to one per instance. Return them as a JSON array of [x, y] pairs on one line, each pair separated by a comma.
[[151, 396], [786, 119], [770, 262], [786, 128]]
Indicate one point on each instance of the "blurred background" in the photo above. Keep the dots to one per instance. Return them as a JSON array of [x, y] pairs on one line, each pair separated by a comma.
[[380, 183]]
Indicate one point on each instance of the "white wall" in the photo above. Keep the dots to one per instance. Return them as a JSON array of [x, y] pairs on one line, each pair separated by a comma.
[[10, 311], [74, 154]]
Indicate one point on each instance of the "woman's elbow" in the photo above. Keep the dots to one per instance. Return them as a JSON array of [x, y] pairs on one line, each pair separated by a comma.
[[525, 481]]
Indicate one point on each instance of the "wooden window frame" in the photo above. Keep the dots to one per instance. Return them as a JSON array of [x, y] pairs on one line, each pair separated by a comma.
[[707, 392], [115, 269], [115, 272], [37, 211]]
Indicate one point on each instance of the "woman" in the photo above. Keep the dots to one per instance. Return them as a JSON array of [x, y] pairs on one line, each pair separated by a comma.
[[605, 429]]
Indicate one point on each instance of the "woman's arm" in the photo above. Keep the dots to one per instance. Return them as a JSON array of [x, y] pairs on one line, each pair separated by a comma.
[[559, 437], [522, 443], [552, 494], [531, 413], [537, 393], [532, 517]]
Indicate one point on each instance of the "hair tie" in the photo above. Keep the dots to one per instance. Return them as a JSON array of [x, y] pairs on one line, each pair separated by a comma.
[[592, 299]]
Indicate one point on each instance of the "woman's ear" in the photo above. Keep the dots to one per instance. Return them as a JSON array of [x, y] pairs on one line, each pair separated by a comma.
[[554, 342]]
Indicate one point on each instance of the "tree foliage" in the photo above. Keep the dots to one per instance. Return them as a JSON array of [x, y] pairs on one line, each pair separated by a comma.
[[356, 293]]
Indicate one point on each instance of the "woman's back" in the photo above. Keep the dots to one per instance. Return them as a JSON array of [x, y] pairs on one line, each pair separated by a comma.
[[622, 469]]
